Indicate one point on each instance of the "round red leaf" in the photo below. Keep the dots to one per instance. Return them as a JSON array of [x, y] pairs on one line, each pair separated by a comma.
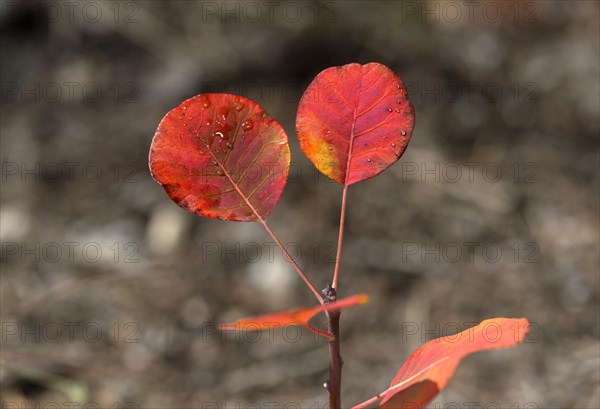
[[221, 156], [354, 121]]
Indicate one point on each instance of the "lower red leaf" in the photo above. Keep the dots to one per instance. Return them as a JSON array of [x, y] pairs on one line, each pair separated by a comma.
[[436, 361], [429, 369], [298, 316]]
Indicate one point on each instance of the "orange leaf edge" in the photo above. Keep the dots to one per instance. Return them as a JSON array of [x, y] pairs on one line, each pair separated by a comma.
[[298, 316], [453, 362]]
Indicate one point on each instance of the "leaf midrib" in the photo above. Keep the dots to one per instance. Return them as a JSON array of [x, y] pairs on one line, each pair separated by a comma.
[[354, 117]]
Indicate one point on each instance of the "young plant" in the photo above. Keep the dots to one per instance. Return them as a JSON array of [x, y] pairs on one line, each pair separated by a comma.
[[221, 156]]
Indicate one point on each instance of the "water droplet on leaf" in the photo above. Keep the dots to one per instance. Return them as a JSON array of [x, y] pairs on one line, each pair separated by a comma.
[[403, 133], [247, 124]]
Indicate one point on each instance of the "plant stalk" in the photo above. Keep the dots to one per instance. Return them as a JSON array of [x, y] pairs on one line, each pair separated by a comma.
[[291, 260], [338, 255], [334, 385]]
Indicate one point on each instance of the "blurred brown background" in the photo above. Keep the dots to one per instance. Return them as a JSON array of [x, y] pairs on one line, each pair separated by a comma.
[[110, 292]]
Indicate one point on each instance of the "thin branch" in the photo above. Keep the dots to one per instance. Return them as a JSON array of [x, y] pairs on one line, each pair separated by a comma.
[[340, 239], [291, 260]]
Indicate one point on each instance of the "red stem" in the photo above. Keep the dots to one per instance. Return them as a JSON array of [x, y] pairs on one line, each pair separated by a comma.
[[338, 254], [291, 260]]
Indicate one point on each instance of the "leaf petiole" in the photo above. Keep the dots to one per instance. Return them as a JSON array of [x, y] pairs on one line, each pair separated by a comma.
[[291, 260], [338, 254]]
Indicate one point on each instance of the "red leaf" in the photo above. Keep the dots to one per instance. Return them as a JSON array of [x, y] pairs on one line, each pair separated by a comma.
[[221, 156], [299, 316], [354, 121], [429, 368]]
